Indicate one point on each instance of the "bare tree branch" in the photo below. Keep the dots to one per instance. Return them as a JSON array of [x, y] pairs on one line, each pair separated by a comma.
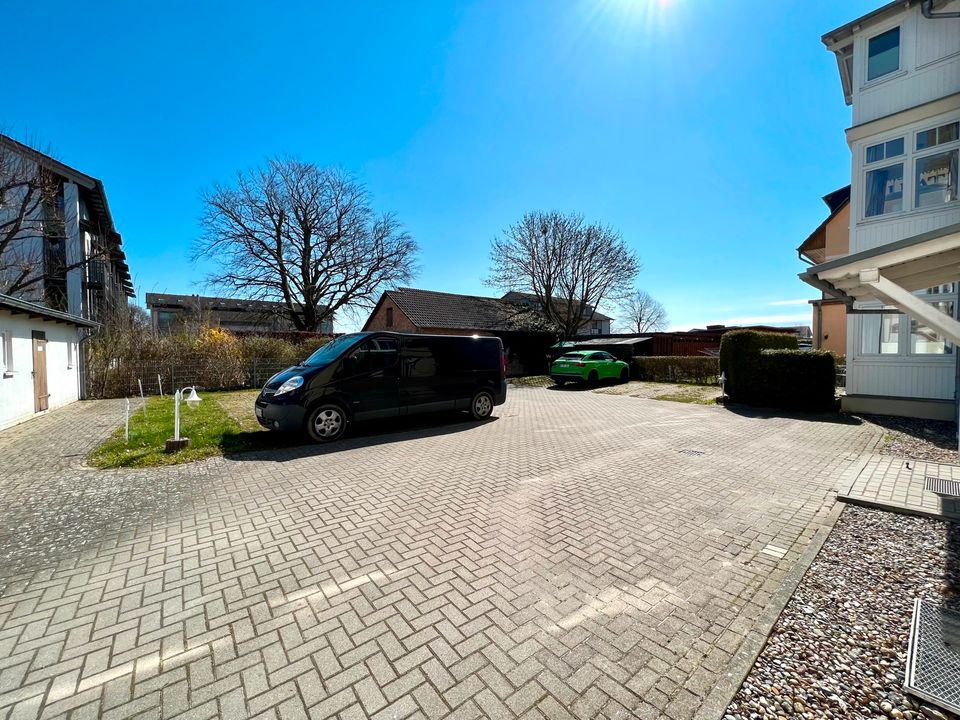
[[571, 267], [304, 236], [643, 313]]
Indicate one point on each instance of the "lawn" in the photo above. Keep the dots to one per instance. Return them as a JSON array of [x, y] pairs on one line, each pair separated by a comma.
[[222, 423]]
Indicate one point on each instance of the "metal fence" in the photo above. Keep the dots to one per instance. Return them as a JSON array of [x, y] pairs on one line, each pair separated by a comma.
[[126, 380]]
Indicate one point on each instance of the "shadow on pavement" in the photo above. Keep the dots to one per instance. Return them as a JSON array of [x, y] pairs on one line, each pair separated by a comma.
[[760, 413], [281, 447]]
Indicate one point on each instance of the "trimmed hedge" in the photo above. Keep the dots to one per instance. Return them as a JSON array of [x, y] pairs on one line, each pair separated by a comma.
[[697, 369], [798, 379], [740, 352]]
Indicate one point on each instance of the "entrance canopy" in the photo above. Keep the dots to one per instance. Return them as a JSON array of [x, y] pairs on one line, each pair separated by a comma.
[[892, 273]]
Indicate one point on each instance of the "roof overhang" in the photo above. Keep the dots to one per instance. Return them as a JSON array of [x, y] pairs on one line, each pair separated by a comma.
[[16, 306], [892, 273]]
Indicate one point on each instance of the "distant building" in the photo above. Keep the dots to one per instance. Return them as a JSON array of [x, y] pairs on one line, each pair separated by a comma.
[[599, 324], [526, 337], [169, 313]]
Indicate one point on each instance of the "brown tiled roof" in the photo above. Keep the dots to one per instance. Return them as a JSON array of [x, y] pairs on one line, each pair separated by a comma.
[[521, 297], [429, 309]]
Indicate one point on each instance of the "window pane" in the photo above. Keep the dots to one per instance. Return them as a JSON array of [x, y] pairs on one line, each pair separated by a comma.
[[883, 54], [880, 335], [895, 147], [875, 153], [947, 133], [927, 138], [884, 191], [924, 340], [936, 179]]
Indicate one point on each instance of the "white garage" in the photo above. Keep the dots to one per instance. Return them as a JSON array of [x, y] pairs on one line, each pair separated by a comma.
[[39, 359]]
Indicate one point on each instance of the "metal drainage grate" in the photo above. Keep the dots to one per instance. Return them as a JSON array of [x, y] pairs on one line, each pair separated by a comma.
[[693, 453], [933, 656], [939, 486]]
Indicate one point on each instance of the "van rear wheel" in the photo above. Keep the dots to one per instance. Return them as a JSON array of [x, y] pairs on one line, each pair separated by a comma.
[[326, 423], [481, 406]]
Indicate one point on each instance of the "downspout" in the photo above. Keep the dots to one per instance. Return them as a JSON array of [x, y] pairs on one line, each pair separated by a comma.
[[926, 7]]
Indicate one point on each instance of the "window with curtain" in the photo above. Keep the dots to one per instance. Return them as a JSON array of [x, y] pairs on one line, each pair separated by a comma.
[[880, 335], [884, 191]]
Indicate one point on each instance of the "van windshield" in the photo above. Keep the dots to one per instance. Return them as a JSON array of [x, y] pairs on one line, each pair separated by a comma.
[[332, 350]]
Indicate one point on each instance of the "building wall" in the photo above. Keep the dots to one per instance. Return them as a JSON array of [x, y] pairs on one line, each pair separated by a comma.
[[929, 64], [834, 327], [378, 320], [837, 240], [16, 384]]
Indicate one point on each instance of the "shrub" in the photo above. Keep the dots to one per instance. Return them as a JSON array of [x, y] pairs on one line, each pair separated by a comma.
[[697, 369], [798, 379], [740, 353]]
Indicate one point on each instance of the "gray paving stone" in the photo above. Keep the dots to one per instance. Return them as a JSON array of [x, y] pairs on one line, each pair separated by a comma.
[[562, 560]]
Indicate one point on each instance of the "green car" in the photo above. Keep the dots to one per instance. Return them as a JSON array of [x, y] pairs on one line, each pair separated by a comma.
[[590, 366]]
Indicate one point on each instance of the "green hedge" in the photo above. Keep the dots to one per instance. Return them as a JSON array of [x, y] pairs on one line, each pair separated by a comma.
[[798, 379], [740, 352], [697, 369]]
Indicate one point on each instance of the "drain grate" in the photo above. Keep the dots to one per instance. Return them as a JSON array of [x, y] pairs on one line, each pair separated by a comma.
[[693, 453], [933, 656], [939, 486]]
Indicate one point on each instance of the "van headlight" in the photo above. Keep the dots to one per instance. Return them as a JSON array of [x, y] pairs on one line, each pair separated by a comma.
[[289, 385]]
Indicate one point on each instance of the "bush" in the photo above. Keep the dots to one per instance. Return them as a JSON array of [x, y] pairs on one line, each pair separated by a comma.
[[697, 369], [798, 379], [740, 353]]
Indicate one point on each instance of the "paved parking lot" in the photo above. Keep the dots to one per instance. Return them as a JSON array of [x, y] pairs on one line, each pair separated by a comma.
[[581, 555]]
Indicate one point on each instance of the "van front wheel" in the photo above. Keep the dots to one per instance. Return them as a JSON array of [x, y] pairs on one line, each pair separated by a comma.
[[481, 406], [326, 423]]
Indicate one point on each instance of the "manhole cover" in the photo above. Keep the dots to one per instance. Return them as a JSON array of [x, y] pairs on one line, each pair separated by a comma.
[[939, 486], [691, 452], [933, 656]]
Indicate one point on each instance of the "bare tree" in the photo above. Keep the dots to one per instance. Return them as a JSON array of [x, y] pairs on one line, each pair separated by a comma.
[[570, 266], [31, 220], [643, 313], [304, 236]]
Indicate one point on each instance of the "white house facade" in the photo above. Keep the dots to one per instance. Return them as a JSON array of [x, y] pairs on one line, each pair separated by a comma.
[[900, 70], [39, 359]]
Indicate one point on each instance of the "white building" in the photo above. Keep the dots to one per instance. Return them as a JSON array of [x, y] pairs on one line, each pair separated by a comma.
[[900, 71], [39, 359]]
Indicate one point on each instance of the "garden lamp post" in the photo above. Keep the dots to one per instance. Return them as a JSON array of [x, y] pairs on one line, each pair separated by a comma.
[[192, 400]]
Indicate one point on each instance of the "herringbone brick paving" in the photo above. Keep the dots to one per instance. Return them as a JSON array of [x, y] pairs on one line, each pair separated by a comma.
[[562, 560]]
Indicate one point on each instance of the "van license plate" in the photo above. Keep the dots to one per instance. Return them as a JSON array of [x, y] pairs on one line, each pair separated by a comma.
[[259, 412]]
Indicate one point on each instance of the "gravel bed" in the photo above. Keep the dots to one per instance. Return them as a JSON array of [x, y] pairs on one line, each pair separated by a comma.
[[930, 440], [839, 648]]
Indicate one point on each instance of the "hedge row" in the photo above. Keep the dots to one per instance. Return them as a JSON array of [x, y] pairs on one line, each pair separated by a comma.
[[768, 370], [698, 369], [740, 352], [210, 358]]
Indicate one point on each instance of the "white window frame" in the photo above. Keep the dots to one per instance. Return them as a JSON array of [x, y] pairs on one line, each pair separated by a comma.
[[867, 81], [932, 298], [909, 160], [6, 351]]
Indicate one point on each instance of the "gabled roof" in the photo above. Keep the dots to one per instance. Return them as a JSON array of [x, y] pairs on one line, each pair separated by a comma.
[[430, 309], [815, 244], [529, 298], [16, 306]]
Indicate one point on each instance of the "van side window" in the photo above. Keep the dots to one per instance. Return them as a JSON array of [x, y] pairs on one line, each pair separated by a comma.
[[421, 360], [376, 354]]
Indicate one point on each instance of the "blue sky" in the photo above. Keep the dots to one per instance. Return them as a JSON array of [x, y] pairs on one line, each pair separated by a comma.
[[705, 132]]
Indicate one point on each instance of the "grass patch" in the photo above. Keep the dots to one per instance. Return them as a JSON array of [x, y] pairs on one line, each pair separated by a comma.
[[223, 423], [532, 381], [694, 397]]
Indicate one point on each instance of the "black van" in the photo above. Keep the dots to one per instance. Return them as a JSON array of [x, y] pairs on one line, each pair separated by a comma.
[[366, 375]]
